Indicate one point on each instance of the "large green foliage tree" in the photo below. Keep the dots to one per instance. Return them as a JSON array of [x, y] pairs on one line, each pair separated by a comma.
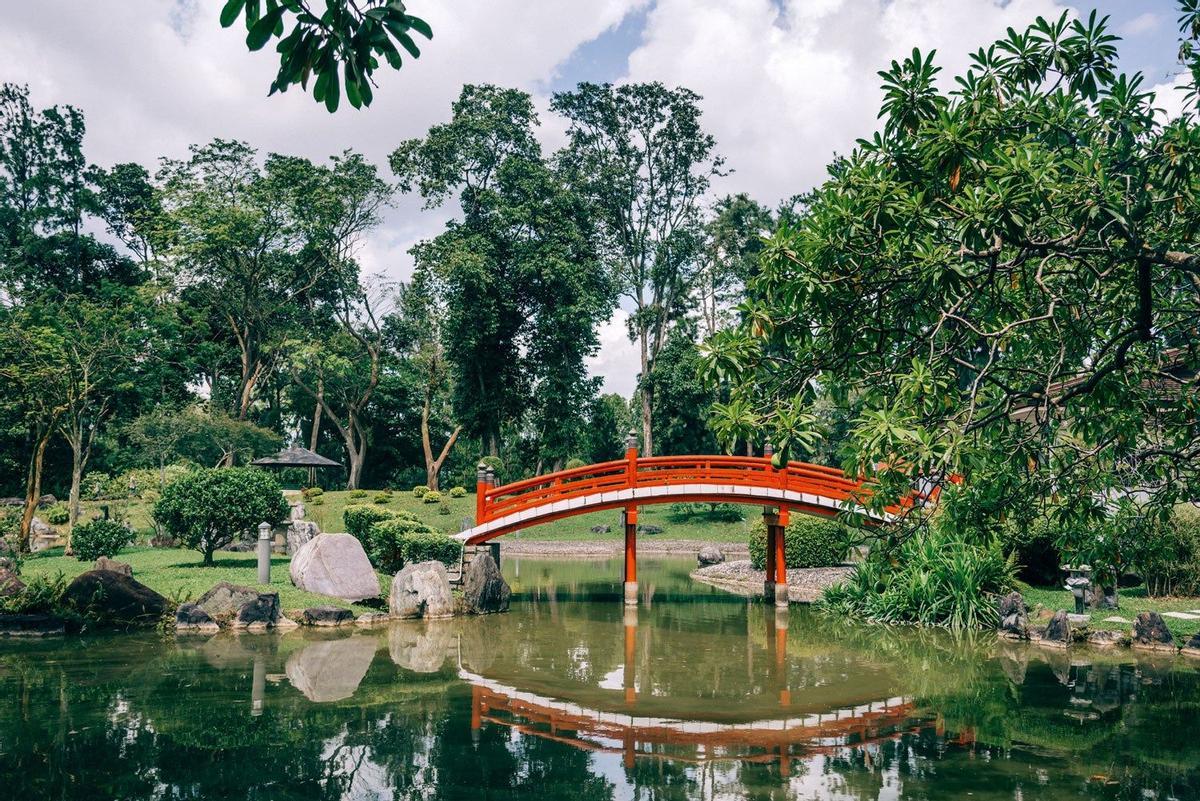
[[517, 274], [640, 156], [1006, 277]]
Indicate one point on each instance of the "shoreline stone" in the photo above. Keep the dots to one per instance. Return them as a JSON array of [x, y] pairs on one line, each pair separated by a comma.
[[421, 590], [335, 565], [1150, 633]]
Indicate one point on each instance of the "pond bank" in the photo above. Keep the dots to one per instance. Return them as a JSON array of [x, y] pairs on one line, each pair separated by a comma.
[[739, 576]]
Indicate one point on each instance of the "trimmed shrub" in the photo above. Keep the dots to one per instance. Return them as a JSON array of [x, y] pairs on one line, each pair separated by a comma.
[[360, 517], [939, 579], [386, 541], [99, 538], [458, 492], [433, 496], [209, 509], [426, 546], [317, 501], [57, 515], [312, 492], [382, 498], [419, 491], [358, 494], [443, 508], [573, 464], [807, 542]]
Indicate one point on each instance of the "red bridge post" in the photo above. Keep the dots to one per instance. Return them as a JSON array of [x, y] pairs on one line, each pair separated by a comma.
[[481, 489]]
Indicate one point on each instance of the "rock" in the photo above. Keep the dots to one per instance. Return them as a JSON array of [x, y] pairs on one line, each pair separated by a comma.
[[420, 648], [241, 546], [421, 590], [40, 528], [104, 563], [33, 625], [1105, 639], [114, 597], [1014, 620], [331, 670], [47, 500], [601, 529], [326, 616], [484, 590], [372, 618], [224, 601], [1150, 632], [1058, 630], [190, 617], [335, 565], [710, 555], [297, 511], [10, 583], [259, 612], [299, 534], [649, 529]]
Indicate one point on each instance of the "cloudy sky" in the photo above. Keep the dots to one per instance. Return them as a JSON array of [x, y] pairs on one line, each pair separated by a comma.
[[786, 83]]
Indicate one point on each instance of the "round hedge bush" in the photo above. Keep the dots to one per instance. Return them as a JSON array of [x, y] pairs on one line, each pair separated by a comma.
[[360, 517], [383, 498], [573, 464], [358, 494], [99, 538], [419, 491], [312, 492], [807, 542], [433, 496], [458, 492], [391, 544]]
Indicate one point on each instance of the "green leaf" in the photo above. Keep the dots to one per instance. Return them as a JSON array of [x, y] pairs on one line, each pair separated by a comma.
[[231, 11], [261, 33], [420, 26], [332, 92]]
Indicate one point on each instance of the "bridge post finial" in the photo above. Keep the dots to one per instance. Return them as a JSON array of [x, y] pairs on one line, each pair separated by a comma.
[[768, 449], [631, 440]]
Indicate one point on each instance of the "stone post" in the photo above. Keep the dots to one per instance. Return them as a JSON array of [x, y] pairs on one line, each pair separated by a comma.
[[264, 553]]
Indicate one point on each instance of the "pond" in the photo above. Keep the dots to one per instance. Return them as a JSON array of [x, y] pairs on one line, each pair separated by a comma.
[[695, 694]]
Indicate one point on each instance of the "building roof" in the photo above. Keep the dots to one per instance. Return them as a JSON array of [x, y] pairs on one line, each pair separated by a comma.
[[295, 456]]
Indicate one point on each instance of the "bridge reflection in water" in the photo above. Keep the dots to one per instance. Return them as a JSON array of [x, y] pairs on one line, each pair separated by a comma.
[[778, 738]]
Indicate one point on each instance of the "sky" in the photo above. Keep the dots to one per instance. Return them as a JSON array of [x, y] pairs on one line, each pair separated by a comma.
[[786, 84]]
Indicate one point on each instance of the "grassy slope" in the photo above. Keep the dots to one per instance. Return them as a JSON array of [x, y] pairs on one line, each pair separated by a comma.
[[179, 574], [1132, 601]]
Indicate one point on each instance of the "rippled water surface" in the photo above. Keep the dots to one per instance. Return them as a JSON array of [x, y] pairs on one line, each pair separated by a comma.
[[696, 694]]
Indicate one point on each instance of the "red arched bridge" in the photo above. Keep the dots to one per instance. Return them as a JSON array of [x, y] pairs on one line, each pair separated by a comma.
[[637, 481]]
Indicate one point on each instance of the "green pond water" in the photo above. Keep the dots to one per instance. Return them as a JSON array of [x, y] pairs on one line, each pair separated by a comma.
[[696, 694]]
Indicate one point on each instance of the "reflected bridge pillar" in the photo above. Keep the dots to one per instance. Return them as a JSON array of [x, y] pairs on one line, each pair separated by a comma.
[[629, 677], [629, 523]]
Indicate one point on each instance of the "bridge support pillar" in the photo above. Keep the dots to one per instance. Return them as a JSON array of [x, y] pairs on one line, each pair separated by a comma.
[[629, 672], [629, 519], [775, 589], [781, 584]]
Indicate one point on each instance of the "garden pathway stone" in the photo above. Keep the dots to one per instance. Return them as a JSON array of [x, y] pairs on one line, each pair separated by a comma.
[[1181, 615], [1116, 619]]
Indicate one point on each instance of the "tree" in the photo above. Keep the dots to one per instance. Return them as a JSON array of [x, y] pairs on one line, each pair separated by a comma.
[[609, 418], [639, 155], [209, 509], [733, 239], [517, 277], [346, 35], [415, 333], [683, 403], [1005, 277]]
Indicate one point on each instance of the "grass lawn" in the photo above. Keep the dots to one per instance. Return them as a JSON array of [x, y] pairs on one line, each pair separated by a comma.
[[179, 574], [1132, 601], [326, 512]]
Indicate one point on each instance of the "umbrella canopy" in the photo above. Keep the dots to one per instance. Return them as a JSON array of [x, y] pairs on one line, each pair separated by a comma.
[[295, 456]]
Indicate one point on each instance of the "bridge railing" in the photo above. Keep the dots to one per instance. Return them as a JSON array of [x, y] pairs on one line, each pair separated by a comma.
[[633, 472]]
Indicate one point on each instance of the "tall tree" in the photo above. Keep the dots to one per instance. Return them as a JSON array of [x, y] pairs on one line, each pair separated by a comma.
[[517, 275], [733, 238], [638, 153]]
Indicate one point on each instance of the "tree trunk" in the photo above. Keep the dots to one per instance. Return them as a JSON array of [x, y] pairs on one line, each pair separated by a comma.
[[434, 466], [314, 437], [73, 498], [33, 488], [647, 434]]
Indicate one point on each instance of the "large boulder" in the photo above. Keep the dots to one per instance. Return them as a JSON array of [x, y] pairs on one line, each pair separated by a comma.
[[10, 583], [1150, 631], [335, 565], [331, 670], [224, 602], [1014, 620], [259, 612], [104, 563], [710, 555], [484, 590], [1058, 630], [421, 590], [114, 598]]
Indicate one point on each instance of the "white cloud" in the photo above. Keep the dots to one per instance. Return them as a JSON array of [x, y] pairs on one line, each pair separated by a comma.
[[618, 361], [1169, 96], [788, 83], [1141, 24]]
